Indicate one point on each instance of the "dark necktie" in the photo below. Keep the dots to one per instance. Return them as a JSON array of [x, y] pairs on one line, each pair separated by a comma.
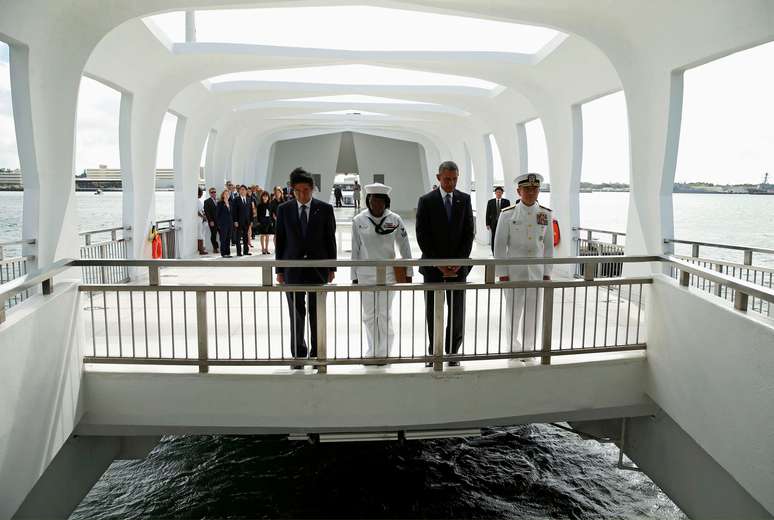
[[448, 207], [304, 220]]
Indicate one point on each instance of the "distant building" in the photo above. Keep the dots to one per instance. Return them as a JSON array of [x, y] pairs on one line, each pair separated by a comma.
[[110, 178]]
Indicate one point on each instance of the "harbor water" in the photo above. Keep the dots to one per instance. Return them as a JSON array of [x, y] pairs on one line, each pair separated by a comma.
[[531, 471]]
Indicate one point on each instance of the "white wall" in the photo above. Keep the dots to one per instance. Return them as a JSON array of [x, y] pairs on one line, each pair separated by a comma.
[[710, 369], [40, 385], [399, 161], [317, 154]]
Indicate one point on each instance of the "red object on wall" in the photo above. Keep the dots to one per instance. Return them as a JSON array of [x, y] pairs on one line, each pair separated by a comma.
[[557, 234], [156, 245]]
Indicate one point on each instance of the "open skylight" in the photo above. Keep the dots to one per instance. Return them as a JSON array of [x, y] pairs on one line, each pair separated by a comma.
[[354, 99], [351, 113], [361, 28], [355, 75]]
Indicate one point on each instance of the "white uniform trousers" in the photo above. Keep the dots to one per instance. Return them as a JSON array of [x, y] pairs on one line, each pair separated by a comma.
[[523, 319], [378, 321]]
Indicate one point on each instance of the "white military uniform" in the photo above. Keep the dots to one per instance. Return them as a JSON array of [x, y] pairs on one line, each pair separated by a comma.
[[369, 244], [204, 227], [524, 231]]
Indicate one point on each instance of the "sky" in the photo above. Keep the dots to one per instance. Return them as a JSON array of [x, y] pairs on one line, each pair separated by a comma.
[[727, 132]]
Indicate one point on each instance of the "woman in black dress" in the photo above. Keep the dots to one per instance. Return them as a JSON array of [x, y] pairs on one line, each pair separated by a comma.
[[265, 221], [225, 224]]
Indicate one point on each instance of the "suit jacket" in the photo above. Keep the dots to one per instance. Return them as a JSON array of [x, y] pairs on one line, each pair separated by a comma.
[[491, 211], [319, 243], [439, 238], [223, 216], [242, 212], [210, 209]]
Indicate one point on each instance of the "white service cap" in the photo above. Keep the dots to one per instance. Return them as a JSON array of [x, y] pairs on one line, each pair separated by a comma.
[[377, 188]]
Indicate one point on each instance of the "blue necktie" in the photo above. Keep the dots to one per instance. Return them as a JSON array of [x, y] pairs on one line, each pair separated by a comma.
[[448, 207], [304, 220]]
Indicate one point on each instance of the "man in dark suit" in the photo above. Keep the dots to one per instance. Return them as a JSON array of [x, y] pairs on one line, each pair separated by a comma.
[[305, 230], [210, 208], [242, 213], [493, 209], [445, 229]]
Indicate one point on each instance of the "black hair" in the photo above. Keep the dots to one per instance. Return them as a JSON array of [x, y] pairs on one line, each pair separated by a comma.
[[301, 176], [499, 188], [385, 198]]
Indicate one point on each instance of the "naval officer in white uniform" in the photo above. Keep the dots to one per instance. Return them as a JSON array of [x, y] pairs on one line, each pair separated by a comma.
[[525, 229], [375, 233]]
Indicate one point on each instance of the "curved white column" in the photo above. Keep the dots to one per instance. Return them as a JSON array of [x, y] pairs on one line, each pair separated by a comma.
[[44, 88]]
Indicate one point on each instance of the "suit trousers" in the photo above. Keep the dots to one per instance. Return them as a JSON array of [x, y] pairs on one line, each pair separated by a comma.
[[225, 245], [455, 320], [241, 239], [214, 236], [492, 237], [298, 307]]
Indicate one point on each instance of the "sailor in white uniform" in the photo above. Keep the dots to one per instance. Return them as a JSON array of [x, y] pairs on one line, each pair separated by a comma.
[[525, 229], [375, 232]]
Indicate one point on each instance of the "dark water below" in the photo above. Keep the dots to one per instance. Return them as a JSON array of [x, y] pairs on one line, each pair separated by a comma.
[[533, 471]]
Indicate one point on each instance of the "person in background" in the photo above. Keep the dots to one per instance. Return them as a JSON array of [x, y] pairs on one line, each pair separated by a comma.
[[306, 230], [225, 223], [242, 213], [375, 233], [445, 229], [265, 221], [493, 209], [338, 195], [277, 199], [356, 194], [232, 194], [525, 230], [204, 229], [210, 207]]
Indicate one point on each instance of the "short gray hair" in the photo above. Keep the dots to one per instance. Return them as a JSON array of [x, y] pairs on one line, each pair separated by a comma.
[[448, 166]]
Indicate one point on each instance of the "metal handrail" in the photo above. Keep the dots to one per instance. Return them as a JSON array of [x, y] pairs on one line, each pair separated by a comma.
[[105, 230], [720, 246], [725, 263], [15, 259], [414, 262], [620, 234], [29, 281], [23, 241], [742, 287]]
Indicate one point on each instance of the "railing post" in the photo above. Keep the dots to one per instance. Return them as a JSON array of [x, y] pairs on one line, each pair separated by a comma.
[[548, 323], [322, 327], [588, 235], [48, 286], [740, 301], [748, 257], [266, 276], [381, 275], [438, 330], [615, 238], [489, 273], [589, 270], [201, 331], [695, 250], [112, 235], [153, 275], [719, 287], [685, 278], [2, 312], [87, 239], [102, 268]]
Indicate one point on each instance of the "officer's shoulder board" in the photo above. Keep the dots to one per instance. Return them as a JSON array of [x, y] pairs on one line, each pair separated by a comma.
[[511, 206], [545, 208]]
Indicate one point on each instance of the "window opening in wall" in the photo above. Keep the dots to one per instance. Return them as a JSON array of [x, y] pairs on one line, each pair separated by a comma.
[[537, 157], [10, 174], [726, 148], [604, 197], [97, 157]]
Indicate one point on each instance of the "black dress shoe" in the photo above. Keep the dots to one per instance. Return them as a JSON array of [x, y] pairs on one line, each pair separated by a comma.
[[226, 256], [296, 367], [454, 363], [429, 364], [239, 254], [248, 253]]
